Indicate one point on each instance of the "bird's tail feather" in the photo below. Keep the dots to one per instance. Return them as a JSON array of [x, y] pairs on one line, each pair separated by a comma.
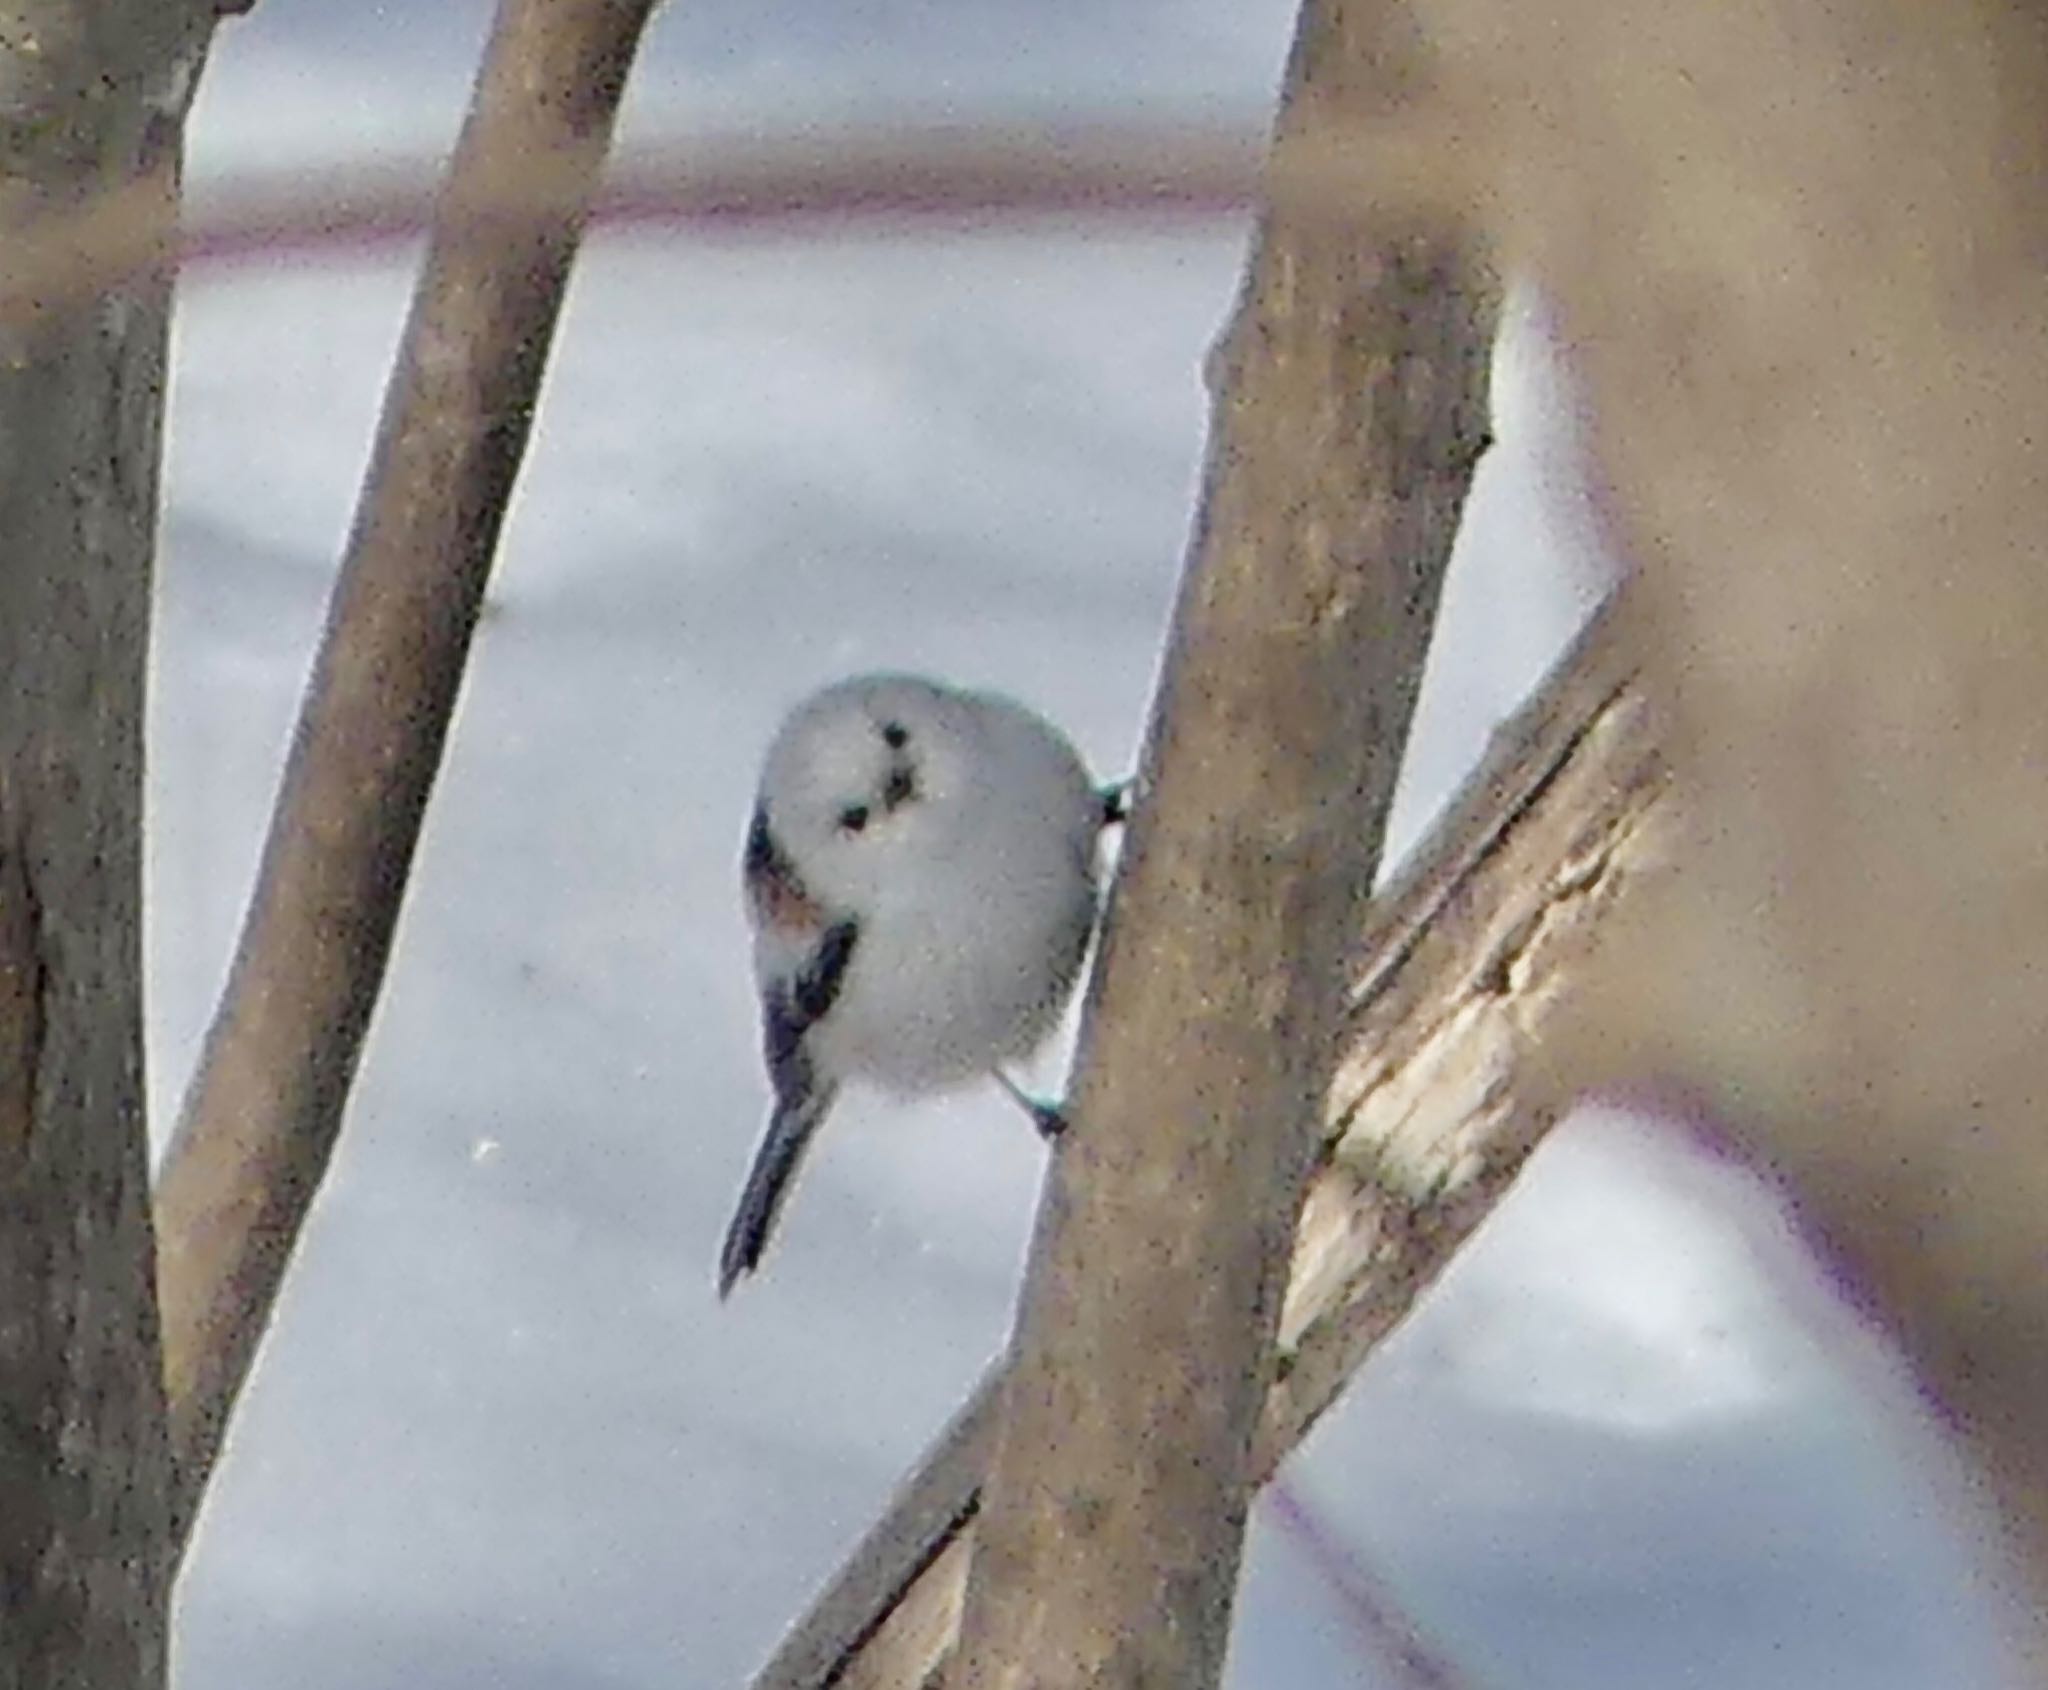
[[768, 1183]]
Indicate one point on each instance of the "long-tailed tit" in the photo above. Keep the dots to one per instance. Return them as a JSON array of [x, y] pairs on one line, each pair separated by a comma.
[[921, 880]]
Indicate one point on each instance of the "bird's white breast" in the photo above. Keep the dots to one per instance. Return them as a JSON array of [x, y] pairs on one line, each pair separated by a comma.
[[969, 953]]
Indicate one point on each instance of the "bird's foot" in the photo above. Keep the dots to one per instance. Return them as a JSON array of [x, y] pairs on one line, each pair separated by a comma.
[[1046, 1117]]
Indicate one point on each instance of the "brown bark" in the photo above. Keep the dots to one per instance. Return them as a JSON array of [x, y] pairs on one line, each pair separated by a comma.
[[94, 95], [1458, 985], [1350, 415], [1798, 253], [260, 1122]]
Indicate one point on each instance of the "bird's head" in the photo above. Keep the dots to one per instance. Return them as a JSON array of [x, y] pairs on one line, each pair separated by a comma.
[[859, 780]]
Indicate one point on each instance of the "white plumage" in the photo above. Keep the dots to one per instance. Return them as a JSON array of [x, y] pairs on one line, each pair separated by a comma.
[[921, 880]]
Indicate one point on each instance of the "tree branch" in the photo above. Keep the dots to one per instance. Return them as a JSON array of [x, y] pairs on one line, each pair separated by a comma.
[[1465, 964], [865, 179], [260, 1121], [1351, 413]]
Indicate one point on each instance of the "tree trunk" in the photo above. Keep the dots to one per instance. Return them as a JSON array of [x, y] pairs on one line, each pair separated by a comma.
[[93, 94]]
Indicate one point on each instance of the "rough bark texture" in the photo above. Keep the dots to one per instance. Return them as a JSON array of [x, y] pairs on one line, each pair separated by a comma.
[[1350, 414], [92, 97], [1465, 965], [1798, 253], [260, 1122]]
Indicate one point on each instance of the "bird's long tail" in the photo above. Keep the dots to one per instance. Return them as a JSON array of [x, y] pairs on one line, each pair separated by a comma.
[[775, 1166]]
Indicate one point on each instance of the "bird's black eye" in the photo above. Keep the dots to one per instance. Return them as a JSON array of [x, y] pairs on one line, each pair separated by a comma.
[[895, 735], [854, 817]]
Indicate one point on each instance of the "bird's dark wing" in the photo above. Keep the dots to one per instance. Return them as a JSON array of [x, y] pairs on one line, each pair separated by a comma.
[[788, 1012]]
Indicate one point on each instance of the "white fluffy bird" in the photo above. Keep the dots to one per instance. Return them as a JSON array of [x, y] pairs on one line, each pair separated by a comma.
[[921, 880]]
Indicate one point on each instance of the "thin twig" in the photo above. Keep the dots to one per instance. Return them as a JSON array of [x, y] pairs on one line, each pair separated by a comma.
[[1384, 1633], [260, 1120], [985, 179]]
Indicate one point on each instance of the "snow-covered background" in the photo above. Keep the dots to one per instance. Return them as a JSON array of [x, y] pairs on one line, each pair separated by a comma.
[[503, 1434]]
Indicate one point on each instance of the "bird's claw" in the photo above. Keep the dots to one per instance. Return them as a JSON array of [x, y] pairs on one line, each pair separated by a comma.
[[1046, 1117]]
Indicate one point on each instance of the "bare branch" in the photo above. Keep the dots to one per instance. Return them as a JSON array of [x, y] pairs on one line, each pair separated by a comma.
[[868, 180], [1385, 1636], [260, 1121], [1346, 429], [1467, 960]]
